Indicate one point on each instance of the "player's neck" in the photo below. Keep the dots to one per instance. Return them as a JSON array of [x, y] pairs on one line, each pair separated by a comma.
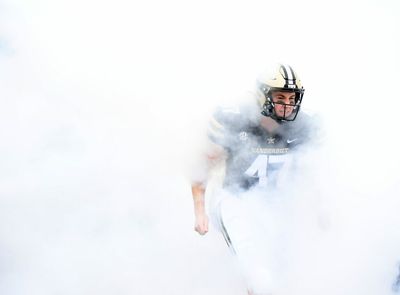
[[269, 124]]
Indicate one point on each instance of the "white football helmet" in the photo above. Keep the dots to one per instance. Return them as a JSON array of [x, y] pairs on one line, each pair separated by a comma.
[[284, 79]]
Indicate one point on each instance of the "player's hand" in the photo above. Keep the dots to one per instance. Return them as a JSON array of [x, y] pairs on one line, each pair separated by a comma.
[[201, 223]]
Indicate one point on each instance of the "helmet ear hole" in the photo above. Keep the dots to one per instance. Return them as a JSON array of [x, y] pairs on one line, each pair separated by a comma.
[[268, 107]]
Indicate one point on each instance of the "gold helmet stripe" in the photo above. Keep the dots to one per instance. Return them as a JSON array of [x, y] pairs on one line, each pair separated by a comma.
[[289, 76], [293, 74], [288, 72]]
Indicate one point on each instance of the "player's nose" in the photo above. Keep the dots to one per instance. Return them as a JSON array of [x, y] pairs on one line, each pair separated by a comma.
[[287, 100]]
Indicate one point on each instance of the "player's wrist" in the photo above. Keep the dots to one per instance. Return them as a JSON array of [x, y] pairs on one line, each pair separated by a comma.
[[199, 211]]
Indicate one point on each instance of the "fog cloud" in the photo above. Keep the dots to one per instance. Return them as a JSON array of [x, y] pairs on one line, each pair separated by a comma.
[[102, 104]]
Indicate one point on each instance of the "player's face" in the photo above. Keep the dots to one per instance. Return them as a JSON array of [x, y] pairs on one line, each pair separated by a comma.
[[284, 103]]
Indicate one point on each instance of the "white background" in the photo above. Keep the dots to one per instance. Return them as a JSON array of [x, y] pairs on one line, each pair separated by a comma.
[[103, 104]]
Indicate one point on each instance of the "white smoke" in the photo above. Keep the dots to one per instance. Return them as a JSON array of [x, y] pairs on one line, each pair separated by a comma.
[[102, 103]]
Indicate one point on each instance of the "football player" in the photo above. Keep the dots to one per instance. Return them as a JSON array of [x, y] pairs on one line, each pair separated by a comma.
[[256, 142]]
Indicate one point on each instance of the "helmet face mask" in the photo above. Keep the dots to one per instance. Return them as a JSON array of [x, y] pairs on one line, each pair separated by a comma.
[[283, 80]]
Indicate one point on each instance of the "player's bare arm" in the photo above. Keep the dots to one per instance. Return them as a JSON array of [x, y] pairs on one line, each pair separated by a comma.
[[201, 218], [214, 154]]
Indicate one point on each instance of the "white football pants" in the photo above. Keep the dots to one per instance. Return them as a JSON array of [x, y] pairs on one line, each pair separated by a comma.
[[255, 224]]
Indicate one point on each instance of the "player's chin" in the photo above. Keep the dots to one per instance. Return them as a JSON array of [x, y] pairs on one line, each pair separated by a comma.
[[285, 115], [288, 115]]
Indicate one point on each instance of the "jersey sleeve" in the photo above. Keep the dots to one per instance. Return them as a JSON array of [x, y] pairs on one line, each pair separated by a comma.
[[220, 127]]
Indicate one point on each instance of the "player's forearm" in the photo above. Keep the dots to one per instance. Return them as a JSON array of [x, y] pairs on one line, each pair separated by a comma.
[[198, 193]]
